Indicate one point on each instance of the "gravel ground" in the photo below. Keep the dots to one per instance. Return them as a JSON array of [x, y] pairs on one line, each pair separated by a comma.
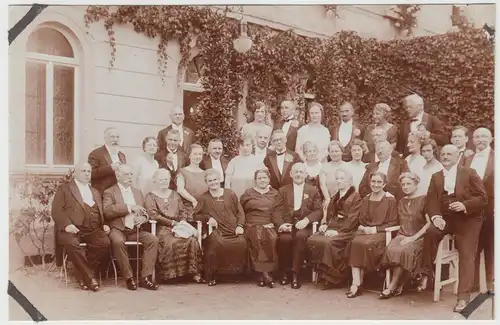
[[225, 301]]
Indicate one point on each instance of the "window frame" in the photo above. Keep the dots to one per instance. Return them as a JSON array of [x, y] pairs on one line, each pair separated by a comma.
[[50, 62]]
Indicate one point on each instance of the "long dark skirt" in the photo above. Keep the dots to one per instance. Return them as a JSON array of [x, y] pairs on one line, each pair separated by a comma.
[[366, 251], [177, 256], [407, 256], [329, 255], [263, 246], [225, 254]]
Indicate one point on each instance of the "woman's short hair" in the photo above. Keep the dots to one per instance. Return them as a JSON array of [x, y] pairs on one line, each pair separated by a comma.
[[335, 143], [360, 143], [194, 146], [411, 175], [377, 173], [245, 137], [210, 172], [146, 140], [308, 144], [260, 171], [432, 142], [384, 108], [316, 104], [259, 104], [161, 171]]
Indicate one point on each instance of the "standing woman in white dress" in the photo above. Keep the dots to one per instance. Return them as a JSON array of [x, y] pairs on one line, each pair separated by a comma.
[[315, 132], [356, 166], [432, 165], [145, 166], [415, 160], [260, 122], [241, 169]]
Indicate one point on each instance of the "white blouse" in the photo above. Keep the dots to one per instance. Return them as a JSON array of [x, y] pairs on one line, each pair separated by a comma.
[[144, 169]]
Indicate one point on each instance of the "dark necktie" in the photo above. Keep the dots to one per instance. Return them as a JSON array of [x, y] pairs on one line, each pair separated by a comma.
[[280, 153], [288, 120]]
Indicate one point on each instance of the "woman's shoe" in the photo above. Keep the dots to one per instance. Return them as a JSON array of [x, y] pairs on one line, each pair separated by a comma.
[[353, 294], [212, 283], [423, 284], [198, 279], [399, 291], [386, 294]]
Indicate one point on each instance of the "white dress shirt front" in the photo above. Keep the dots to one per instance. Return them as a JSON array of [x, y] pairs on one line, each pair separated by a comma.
[[480, 161], [128, 197], [174, 158], [414, 124], [286, 126], [180, 128], [113, 153], [383, 167], [450, 178], [217, 165], [280, 160], [85, 192], [298, 193], [345, 131]]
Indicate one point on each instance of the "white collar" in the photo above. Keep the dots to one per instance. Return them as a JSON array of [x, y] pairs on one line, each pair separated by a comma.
[[80, 184], [257, 149], [173, 153], [175, 126], [452, 170], [420, 116], [346, 123], [123, 189], [299, 186], [342, 193], [110, 151], [212, 158], [485, 152]]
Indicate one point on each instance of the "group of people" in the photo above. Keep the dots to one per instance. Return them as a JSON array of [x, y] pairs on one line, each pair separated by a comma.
[[349, 182]]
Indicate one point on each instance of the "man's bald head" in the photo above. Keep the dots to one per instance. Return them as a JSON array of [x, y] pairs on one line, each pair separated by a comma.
[[83, 172], [414, 105], [177, 115], [449, 155]]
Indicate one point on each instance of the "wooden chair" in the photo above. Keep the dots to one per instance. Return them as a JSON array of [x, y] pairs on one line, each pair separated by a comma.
[[314, 272], [63, 273], [446, 254], [136, 243], [389, 232]]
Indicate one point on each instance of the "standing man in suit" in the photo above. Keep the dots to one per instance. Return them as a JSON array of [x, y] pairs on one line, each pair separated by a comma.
[[78, 217], [262, 143], [347, 130], [215, 159], [297, 206], [172, 158], [280, 161], [460, 138], [288, 123], [455, 203], [391, 166], [186, 135], [105, 160], [125, 212], [417, 117], [483, 162]]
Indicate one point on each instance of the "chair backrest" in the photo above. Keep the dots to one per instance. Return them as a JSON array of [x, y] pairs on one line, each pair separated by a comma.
[[447, 244]]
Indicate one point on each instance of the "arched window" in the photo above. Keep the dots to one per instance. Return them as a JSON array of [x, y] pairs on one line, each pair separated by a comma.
[[192, 88], [51, 83]]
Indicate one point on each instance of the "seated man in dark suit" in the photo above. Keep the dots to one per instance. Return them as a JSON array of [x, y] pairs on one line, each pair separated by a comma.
[[125, 212], [172, 158], [186, 135], [214, 158], [455, 202], [297, 206], [105, 161], [392, 166], [280, 161], [78, 217]]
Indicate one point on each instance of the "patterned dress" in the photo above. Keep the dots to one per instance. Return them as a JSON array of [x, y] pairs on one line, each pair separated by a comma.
[[262, 242], [411, 218], [176, 256]]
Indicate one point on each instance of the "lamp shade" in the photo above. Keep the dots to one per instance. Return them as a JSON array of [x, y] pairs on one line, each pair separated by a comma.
[[242, 44]]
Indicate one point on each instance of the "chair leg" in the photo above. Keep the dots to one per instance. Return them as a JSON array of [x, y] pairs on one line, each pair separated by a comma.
[[65, 267], [112, 261], [455, 274], [437, 281]]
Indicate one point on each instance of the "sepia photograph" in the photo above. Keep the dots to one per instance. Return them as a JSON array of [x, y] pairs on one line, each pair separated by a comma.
[[262, 161]]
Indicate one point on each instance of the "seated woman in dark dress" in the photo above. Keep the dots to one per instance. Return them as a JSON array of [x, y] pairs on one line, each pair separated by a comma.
[[225, 249], [404, 252], [328, 247], [258, 203], [378, 212], [177, 256]]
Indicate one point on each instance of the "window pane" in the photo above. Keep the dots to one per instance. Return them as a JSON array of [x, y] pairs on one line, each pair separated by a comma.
[[35, 113], [49, 41], [64, 119], [194, 70], [190, 101]]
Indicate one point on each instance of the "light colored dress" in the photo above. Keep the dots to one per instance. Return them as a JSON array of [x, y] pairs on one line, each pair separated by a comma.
[[144, 169], [425, 178], [318, 134], [241, 170], [328, 171], [357, 171]]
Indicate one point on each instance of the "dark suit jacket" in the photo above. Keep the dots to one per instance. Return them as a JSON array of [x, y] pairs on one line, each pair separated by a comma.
[[488, 181], [206, 163], [311, 205], [334, 135], [432, 124], [114, 206], [396, 167], [189, 138], [291, 136], [68, 206], [103, 175], [271, 162], [469, 190]]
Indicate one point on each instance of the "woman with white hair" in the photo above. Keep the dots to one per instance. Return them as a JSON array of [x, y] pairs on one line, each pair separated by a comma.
[[179, 253]]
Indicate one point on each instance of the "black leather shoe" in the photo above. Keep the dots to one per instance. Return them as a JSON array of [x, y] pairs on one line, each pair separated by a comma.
[[461, 304], [94, 285], [285, 281], [131, 285], [149, 284], [82, 285], [295, 282]]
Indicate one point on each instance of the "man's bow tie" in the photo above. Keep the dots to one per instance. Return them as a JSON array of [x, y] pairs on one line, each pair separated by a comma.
[[288, 120], [414, 120], [280, 153]]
